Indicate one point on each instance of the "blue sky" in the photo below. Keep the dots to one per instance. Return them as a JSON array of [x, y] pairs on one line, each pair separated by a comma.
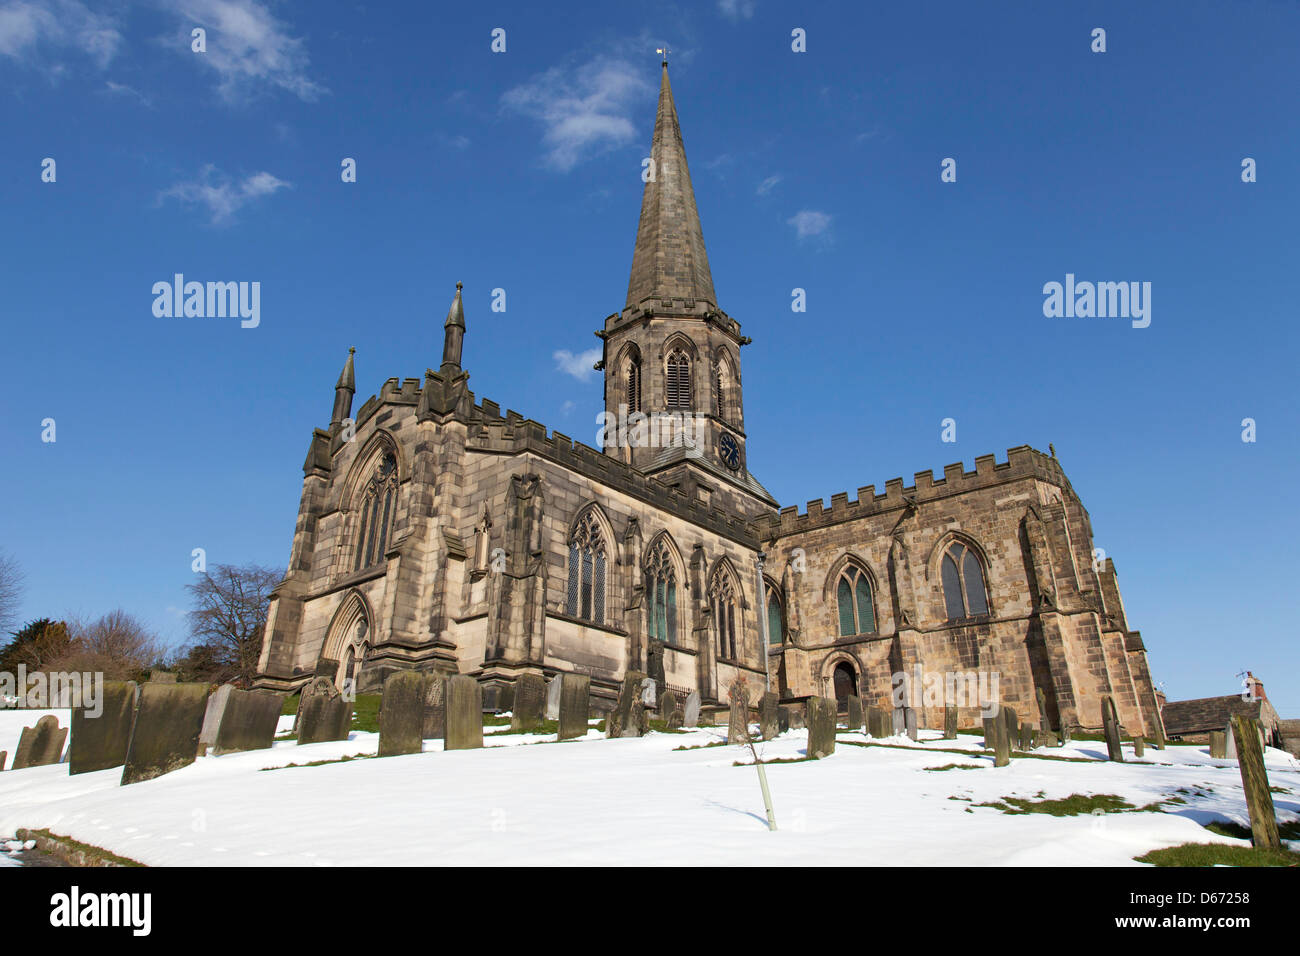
[[521, 170]]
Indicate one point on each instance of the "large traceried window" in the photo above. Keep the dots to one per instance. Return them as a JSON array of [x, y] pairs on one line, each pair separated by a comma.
[[378, 504], [678, 381], [722, 598], [963, 583], [853, 595], [775, 616], [661, 595], [586, 596]]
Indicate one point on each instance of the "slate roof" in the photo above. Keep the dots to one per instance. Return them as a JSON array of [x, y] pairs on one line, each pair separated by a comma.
[[1205, 713]]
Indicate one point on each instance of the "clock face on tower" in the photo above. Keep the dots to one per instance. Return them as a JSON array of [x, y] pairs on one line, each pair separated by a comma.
[[729, 451]]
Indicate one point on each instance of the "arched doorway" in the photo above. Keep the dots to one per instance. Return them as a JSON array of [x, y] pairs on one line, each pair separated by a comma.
[[846, 685]]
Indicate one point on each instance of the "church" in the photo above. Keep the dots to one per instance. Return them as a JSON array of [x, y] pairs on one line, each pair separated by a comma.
[[438, 534]]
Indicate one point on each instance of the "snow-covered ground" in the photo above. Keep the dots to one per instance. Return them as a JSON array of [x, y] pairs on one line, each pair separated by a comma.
[[531, 801]]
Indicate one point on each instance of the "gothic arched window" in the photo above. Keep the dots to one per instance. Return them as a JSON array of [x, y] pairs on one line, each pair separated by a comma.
[[378, 503], [775, 616], [722, 598], [634, 383], [853, 595], [963, 583], [661, 595], [586, 596], [678, 381]]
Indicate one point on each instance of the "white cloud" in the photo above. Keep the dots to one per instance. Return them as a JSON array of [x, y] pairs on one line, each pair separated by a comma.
[[222, 196], [580, 365], [736, 9], [121, 89], [809, 222], [247, 47], [767, 185], [37, 27], [583, 112]]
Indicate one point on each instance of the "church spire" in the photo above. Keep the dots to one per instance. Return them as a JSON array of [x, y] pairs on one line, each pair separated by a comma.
[[344, 389], [453, 337], [669, 261]]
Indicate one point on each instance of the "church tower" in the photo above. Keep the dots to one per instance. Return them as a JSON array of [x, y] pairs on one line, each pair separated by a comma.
[[673, 393]]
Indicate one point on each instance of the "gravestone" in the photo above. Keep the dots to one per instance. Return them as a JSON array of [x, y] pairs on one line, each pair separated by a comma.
[[621, 721], [989, 738], [1046, 738], [530, 703], [667, 704], [821, 727], [40, 745], [648, 692], [794, 716], [1139, 747], [1027, 731], [4, 755], [574, 693], [879, 722], [1065, 733], [638, 722], [910, 722], [899, 725], [1110, 725], [1042, 709], [401, 713], [212, 716], [999, 728], [782, 719], [1012, 721], [99, 743], [855, 712], [435, 708], [691, 713], [552, 711], [323, 713], [1218, 745], [769, 715], [246, 721], [464, 725], [738, 722], [165, 736], [950, 723], [1229, 742], [1254, 781]]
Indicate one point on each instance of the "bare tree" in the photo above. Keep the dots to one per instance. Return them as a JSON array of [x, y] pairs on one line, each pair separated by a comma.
[[229, 616], [11, 591], [117, 645]]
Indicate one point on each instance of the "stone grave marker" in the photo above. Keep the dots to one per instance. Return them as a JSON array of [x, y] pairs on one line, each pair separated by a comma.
[[794, 716], [1254, 781], [1229, 742], [670, 710], [464, 724], [323, 713], [40, 745], [1139, 747], [769, 715], [1027, 731], [243, 720], [880, 723], [950, 723], [401, 713], [738, 722], [1110, 725], [999, 728], [622, 722], [553, 692], [910, 723], [691, 713], [99, 743], [899, 717], [575, 692], [212, 716], [165, 735], [530, 703], [855, 712], [821, 727], [435, 708], [1012, 721], [1218, 745], [649, 692]]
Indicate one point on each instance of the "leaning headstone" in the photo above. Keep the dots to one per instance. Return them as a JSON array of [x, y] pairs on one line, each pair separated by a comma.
[[435, 708], [165, 736], [691, 713], [769, 720], [998, 728], [323, 713], [648, 692], [620, 721], [950, 723], [738, 723], [212, 716], [574, 693], [1027, 731], [1254, 781], [401, 713], [1139, 747], [989, 737], [40, 745], [464, 729], [99, 743], [910, 723], [821, 727], [855, 712], [1218, 745], [553, 691], [530, 703], [1012, 721], [1229, 742], [1042, 709], [249, 721], [1110, 724], [638, 721]]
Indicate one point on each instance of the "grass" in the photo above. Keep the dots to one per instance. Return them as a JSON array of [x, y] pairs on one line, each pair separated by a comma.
[[74, 852], [1218, 854], [750, 763], [1077, 804], [716, 743], [1229, 828], [365, 712], [321, 763], [957, 766], [544, 727], [1018, 754]]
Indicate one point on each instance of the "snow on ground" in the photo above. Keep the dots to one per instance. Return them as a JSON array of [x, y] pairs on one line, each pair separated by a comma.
[[528, 800], [12, 723]]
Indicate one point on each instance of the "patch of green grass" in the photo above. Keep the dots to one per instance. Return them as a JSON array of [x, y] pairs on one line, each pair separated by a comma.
[[1018, 754], [716, 743], [1230, 828], [957, 766], [321, 763], [750, 763], [544, 727], [1074, 805], [661, 726], [365, 713], [290, 706], [1218, 854], [74, 852]]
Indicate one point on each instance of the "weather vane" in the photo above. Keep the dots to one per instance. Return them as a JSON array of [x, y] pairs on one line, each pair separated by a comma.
[[663, 51]]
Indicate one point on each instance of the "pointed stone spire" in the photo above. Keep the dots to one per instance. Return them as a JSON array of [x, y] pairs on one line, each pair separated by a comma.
[[669, 261], [343, 392], [453, 335]]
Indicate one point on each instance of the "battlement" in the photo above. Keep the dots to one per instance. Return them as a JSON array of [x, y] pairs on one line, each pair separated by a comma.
[[1022, 462], [515, 435]]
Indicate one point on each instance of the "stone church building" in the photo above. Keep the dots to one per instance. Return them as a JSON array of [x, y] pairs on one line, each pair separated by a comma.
[[437, 533]]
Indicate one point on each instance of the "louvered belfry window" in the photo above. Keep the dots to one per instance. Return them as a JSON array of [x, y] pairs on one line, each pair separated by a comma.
[[678, 385], [634, 385]]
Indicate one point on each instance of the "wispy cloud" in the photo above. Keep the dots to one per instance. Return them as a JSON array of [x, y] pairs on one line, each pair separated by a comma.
[[220, 194], [32, 29], [583, 112], [768, 184], [579, 366], [736, 9], [248, 48], [809, 222], [121, 89]]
